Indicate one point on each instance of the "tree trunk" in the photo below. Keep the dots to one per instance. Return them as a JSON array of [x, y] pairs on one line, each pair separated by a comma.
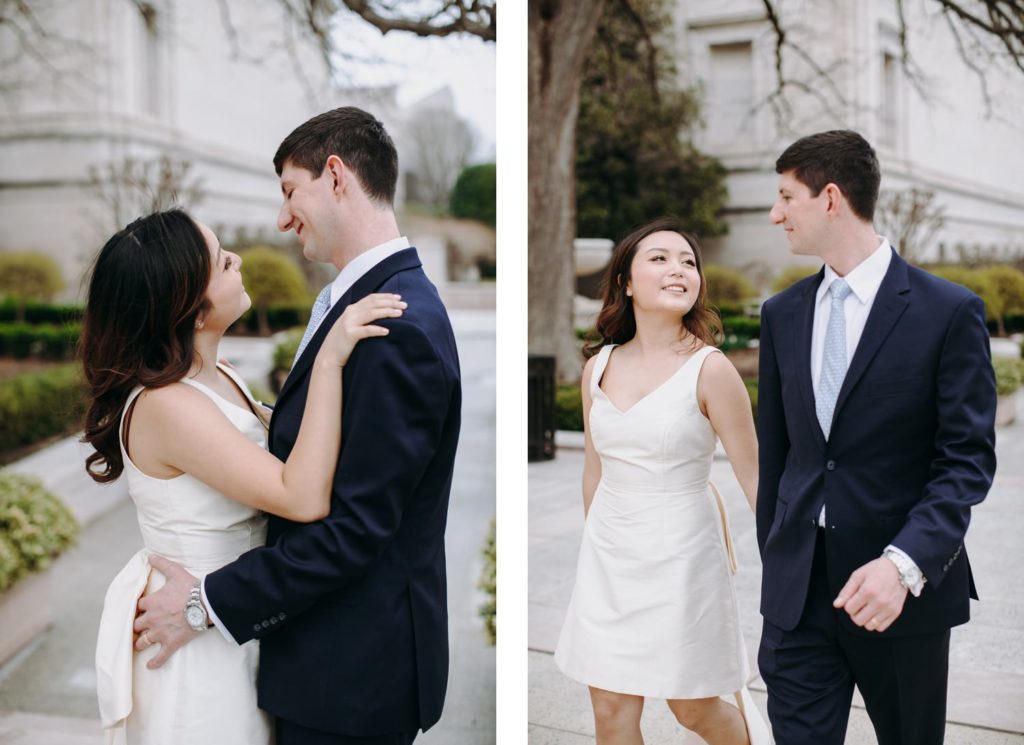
[[262, 320], [560, 35]]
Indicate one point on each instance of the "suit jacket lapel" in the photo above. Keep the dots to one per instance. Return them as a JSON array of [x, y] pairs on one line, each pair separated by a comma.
[[890, 303], [405, 259], [803, 325]]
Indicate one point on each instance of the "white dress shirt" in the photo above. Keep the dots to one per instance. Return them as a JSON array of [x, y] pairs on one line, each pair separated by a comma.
[[351, 273], [864, 280]]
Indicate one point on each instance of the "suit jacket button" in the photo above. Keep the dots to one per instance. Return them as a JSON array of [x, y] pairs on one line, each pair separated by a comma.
[[281, 616], [830, 466], [266, 624], [256, 627]]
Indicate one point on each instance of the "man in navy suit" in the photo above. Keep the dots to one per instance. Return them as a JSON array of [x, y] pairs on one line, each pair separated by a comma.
[[351, 610], [876, 432]]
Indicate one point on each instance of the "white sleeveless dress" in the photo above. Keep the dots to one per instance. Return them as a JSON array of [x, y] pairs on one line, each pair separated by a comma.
[[205, 694], [653, 611]]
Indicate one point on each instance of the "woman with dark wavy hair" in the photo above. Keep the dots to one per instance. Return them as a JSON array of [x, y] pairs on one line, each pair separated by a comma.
[[653, 611], [190, 439]]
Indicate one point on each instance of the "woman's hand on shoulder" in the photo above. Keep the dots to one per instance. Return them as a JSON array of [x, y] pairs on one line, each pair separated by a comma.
[[357, 323]]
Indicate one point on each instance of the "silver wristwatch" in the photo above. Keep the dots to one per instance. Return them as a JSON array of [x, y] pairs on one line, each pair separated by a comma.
[[910, 575], [195, 613]]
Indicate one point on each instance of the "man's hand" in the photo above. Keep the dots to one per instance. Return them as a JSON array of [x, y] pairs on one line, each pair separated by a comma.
[[873, 596], [161, 618]]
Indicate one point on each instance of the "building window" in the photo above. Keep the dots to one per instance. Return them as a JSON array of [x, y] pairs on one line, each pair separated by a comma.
[[730, 94]]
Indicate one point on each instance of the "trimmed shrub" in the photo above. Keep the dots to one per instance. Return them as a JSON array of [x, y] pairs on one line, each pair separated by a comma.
[[271, 278], [35, 527], [727, 285], [279, 318], [751, 385], [37, 405], [1009, 374], [489, 584], [742, 326], [568, 408], [44, 341], [283, 358], [28, 276], [973, 280], [790, 276], [1007, 285], [475, 194]]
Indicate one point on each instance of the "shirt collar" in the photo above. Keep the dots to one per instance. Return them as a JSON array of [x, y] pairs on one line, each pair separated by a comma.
[[364, 262], [865, 278]]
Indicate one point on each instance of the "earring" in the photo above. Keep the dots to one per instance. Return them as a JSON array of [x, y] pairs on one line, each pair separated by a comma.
[[199, 324], [629, 292]]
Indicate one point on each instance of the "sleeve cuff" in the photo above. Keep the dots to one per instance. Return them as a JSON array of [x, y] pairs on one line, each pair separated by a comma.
[[213, 616]]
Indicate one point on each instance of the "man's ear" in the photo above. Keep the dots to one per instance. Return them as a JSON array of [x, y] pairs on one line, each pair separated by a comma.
[[833, 197], [338, 172]]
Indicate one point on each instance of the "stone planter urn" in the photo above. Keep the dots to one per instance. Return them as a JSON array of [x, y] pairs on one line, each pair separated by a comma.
[[24, 612], [1006, 410]]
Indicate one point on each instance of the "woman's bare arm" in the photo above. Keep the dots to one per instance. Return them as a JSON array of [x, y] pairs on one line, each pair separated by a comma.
[[726, 404]]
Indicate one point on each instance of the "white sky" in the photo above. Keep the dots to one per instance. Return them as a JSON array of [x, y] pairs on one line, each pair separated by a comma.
[[421, 66]]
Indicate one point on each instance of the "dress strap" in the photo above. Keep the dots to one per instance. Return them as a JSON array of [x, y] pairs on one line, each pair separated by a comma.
[[126, 419], [696, 363], [602, 362]]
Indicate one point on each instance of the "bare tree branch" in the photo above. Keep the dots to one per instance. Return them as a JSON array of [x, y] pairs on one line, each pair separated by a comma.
[[987, 33], [476, 17]]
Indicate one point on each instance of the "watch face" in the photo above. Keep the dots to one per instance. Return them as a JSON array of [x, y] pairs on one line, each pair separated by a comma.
[[913, 576], [196, 617]]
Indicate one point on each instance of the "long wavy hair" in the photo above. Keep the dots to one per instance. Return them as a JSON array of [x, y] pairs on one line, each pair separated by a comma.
[[616, 323], [147, 290]]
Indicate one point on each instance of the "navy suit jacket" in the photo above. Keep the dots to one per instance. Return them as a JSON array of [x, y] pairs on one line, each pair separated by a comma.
[[352, 609], [911, 447]]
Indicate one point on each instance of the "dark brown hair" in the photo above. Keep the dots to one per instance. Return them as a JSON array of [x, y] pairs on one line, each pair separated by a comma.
[[841, 157], [147, 290], [356, 137], [616, 323]]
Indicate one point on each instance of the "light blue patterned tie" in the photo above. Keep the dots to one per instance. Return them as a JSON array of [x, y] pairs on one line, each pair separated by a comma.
[[833, 362], [320, 308]]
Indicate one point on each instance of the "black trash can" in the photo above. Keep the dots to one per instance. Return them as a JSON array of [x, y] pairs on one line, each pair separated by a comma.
[[541, 403]]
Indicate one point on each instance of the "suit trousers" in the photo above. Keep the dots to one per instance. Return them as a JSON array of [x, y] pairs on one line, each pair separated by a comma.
[[811, 670], [290, 733]]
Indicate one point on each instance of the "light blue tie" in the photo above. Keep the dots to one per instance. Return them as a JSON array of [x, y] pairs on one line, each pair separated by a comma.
[[320, 308], [833, 362]]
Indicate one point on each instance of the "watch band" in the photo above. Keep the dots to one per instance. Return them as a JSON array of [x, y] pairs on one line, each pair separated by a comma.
[[911, 576]]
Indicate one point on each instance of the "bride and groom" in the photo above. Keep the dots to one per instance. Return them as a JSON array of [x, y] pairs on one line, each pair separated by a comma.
[[874, 438], [329, 548]]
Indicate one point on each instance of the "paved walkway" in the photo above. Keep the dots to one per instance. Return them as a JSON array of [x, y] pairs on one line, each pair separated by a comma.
[[986, 692], [47, 692]]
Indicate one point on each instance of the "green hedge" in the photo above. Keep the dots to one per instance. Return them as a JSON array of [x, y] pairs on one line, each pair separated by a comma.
[[568, 408], [489, 584], [1009, 374], [474, 194], [41, 313], [283, 358], [751, 385], [279, 318], [742, 326], [34, 406], [43, 341], [35, 526]]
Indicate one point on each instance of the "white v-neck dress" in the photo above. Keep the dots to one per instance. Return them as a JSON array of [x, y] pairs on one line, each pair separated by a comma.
[[653, 611], [206, 692]]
